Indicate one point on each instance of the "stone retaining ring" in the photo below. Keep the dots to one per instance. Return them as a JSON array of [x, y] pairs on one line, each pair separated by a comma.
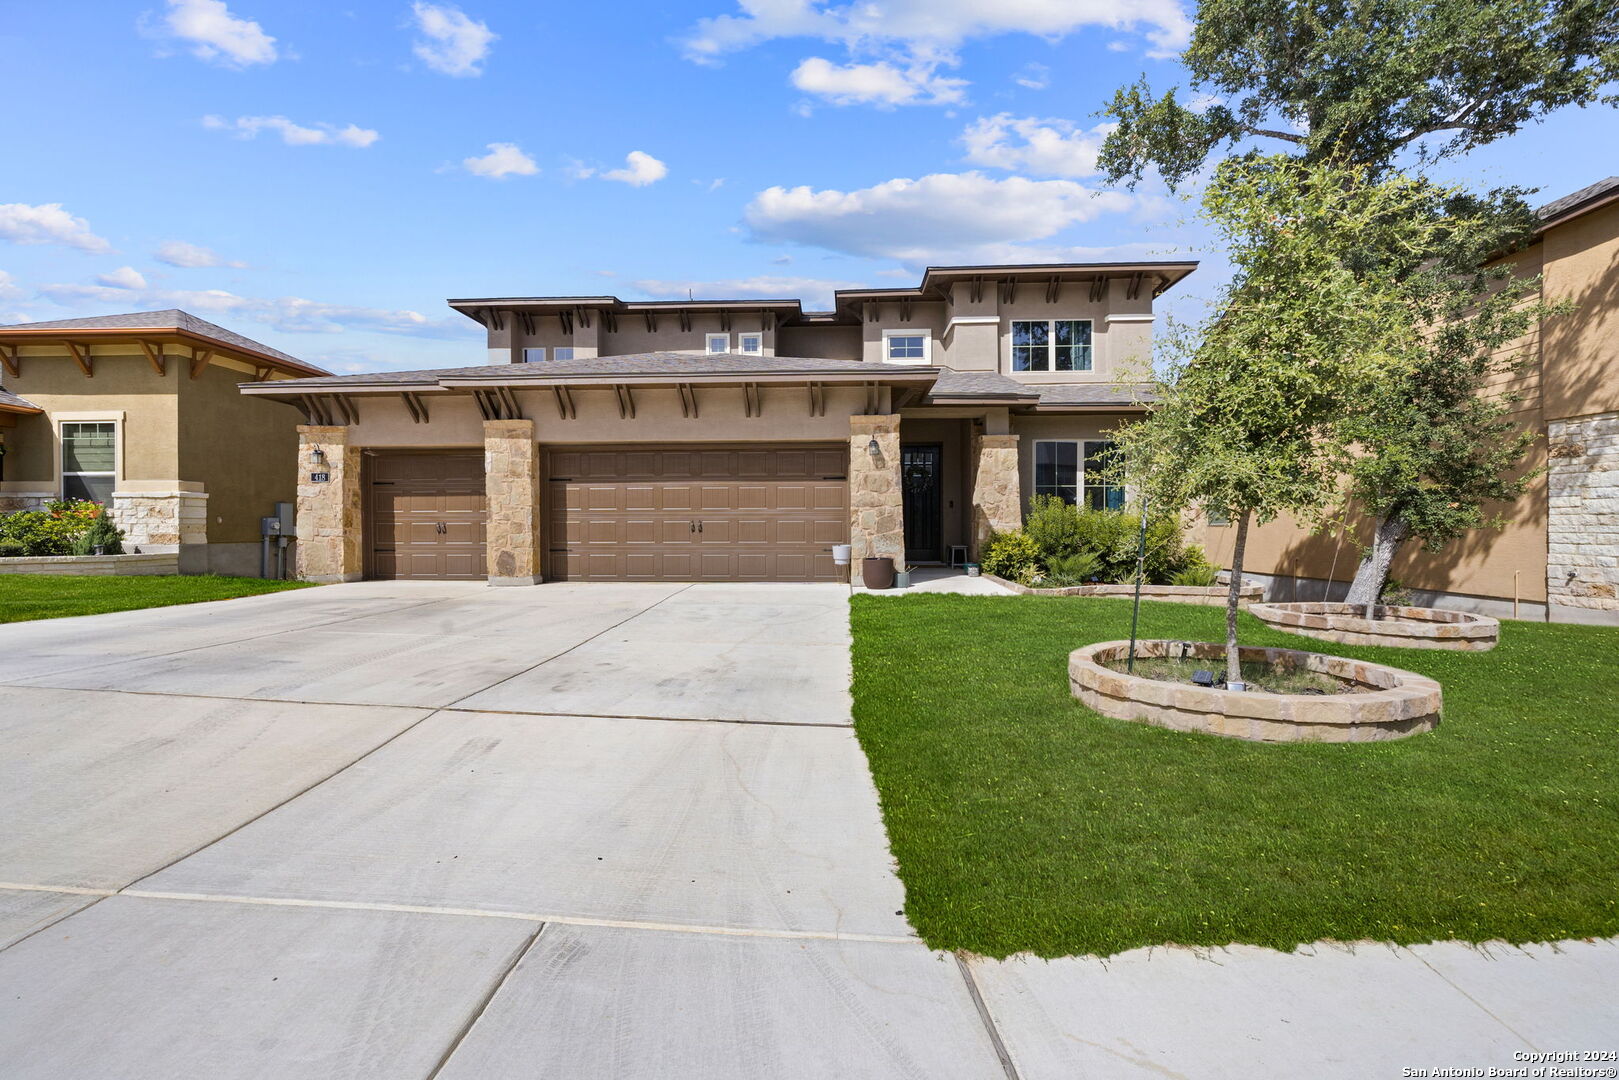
[[1393, 704], [1401, 627]]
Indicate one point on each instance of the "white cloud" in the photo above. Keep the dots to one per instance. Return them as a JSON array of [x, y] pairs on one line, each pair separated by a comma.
[[923, 25], [248, 127], [504, 159], [1033, 76], [8, 286], [125, 277], [882, 83], [815, 292], [48, 223], [1031, 145], [455, 44], [941, 217], [640, 169], [217, 35], [191, 256], [292, 314]]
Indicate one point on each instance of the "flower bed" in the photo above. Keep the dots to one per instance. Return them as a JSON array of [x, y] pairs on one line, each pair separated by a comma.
[[1384, 702], [1211, 595], [1401, 627]]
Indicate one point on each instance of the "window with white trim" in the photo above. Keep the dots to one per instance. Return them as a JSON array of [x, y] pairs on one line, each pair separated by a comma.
[[719, 343], [750, 344], [905, 346], [533, 356], [89, 460], [1051, 345], [562, 354], [1072, 470]]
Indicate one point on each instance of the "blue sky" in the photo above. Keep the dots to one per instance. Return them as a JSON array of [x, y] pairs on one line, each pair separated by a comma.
[[321, 177]]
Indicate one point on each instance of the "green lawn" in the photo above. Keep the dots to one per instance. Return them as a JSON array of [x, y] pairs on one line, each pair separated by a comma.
[[46, 596], [1023, 821]]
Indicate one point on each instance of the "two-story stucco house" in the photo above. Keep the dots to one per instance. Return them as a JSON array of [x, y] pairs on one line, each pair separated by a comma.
[[727, 439]]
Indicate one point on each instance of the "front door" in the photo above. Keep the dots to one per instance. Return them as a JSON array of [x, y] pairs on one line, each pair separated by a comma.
[[919, 468]]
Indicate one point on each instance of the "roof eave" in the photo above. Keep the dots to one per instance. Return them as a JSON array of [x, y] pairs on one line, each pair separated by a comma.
[[51, 335]]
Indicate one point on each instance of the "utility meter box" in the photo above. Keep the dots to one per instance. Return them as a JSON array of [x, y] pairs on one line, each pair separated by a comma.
[[287, 514], [270, 526]]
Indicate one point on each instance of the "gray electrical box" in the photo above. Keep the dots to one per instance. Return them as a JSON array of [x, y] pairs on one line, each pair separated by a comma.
[[287, 513], [270, 526]]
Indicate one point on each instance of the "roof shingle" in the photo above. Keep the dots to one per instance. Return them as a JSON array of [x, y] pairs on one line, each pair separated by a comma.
[[168, 319]]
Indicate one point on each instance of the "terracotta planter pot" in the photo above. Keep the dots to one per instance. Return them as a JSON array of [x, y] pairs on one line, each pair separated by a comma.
[[876, 573]]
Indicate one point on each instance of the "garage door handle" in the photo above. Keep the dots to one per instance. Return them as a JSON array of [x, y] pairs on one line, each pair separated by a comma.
[[699, 526], [691, 526], [442, 530]]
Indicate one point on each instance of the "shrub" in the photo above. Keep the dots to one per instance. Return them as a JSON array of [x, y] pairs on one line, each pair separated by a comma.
[[1054, 526], [1012, 555], [51, 531], [102, 534], [1201, 575], [1063, 571], [12, 549]]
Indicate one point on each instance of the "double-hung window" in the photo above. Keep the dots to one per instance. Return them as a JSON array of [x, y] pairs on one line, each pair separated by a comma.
[[905, 346], [718, 343], [533, 356], [1072, 470], [1051, 345], [562, 354], [89, 460], [750, 344]]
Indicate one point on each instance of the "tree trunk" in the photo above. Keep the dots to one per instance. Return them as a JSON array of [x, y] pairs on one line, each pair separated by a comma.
[[1233, 669], [1373, 572]]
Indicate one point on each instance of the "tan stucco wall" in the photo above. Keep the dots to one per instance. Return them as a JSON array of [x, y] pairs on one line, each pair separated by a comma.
[[1582, 350], [243, 450], [455, 421], [122, 383], [828, 342]]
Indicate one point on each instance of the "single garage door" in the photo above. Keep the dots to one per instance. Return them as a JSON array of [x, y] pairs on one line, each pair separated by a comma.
[[740, 513], [425, 515]]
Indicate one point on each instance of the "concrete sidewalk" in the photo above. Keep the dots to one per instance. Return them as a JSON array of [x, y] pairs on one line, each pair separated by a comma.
[[437, 830]]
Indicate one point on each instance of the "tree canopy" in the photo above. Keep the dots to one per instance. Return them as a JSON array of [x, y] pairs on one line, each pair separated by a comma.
[[1360, 81]]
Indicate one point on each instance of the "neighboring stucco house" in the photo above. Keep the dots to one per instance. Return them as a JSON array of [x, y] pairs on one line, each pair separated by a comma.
[[727, 439], [1558, 555], [141, 412]]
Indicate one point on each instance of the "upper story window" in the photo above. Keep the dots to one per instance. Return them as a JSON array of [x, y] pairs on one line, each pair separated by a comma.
[[905, 346], [89, 460], [533, 356], [719, 343], [750, 344], [1051, 345], [562, 354]]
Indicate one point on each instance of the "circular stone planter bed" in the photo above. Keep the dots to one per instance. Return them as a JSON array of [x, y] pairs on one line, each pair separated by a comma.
[[1402, 627], [1374, 703]]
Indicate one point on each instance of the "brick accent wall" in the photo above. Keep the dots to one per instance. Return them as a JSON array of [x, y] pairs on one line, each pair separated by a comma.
[[1582, 517], [329, 512], [512, 485], [876, 500]]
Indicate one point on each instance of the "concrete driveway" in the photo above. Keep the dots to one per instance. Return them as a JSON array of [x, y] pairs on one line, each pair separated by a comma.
[[403, 830]]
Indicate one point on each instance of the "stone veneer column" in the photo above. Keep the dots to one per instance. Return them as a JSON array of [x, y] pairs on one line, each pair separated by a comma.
[[876, 503], [1582, 518], [328, 513], [997, 498], [511, 464]]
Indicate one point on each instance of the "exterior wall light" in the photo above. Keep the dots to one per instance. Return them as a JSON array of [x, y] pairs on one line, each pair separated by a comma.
[[318, 455], [873, 449]]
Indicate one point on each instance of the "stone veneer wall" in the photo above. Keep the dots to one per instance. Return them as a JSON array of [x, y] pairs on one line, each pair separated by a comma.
[[328, 513], [1582, 517], [876, 501], [161, 518], [512, 486], [997, 499]]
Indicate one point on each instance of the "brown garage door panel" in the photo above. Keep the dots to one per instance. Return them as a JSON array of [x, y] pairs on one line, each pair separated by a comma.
[[426, 515], [737, 514]]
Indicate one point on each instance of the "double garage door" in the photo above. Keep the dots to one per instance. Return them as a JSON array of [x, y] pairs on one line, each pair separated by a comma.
[[739, 513]]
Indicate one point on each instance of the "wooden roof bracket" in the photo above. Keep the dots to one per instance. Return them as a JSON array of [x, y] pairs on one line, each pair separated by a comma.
[[567, 322], [688, 401], [817, 399], [12, 361], [347, 407], [315, 410], [199, 360], [159, 362], [509, 399], [975, 288], [528, 322], [610, 322], [565, 407], [752, 401], [651, 322], [725, 321], [1098, 289], [260, 374], [81, 356], [904, 311], [1158, 289], [1133, 290], [583, 315], [872, 399], [1053, 289], [418, 411], [626, 401], [874, 313]]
